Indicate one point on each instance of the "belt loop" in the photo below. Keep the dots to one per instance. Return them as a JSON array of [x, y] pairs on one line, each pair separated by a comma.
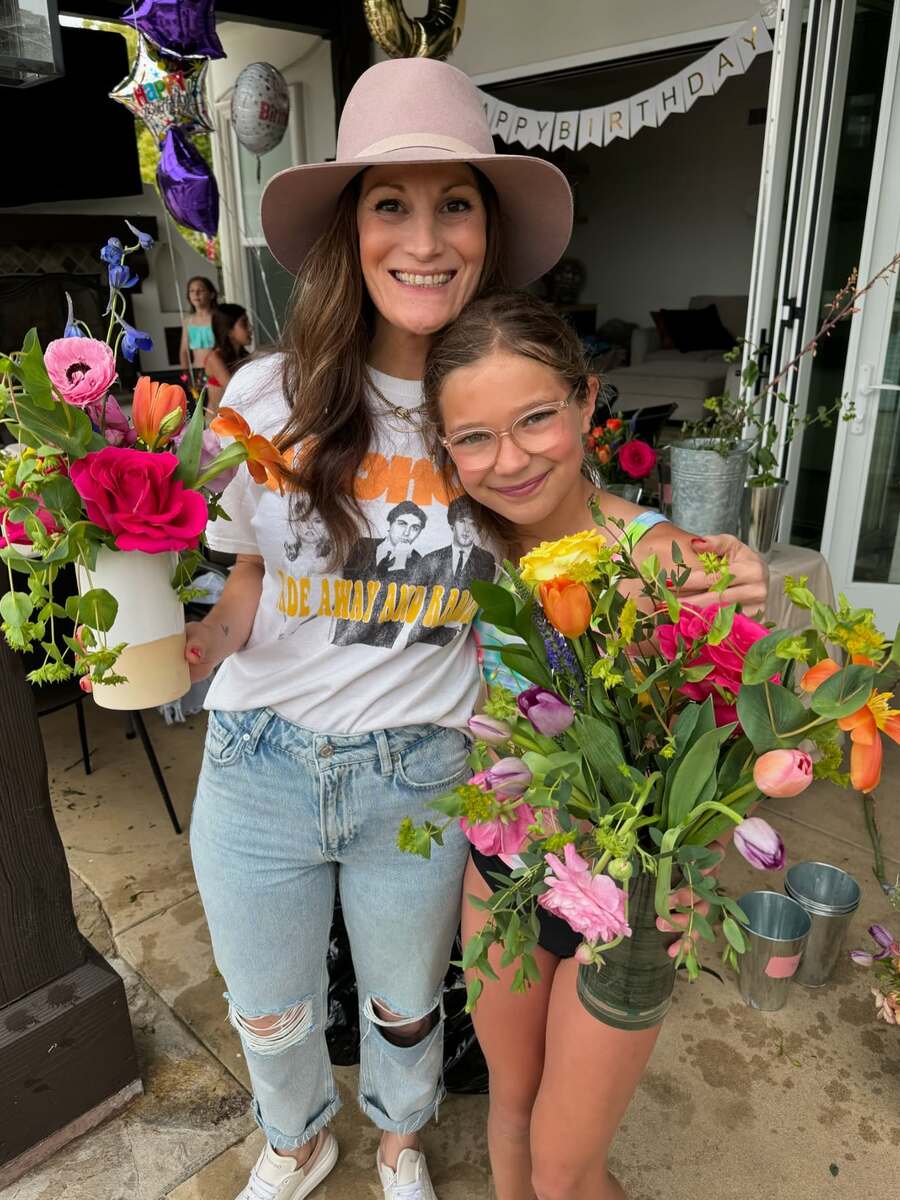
[[384, 752]]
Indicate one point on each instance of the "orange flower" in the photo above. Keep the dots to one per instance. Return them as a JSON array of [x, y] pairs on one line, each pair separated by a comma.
[[613, 423], [864, 726], [604, 454], [158, 411], [264, 460], [568, 606]]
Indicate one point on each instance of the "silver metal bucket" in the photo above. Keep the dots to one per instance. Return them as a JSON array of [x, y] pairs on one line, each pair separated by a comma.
[[831, 897], [762, 512], [707, 488], [776, 930]]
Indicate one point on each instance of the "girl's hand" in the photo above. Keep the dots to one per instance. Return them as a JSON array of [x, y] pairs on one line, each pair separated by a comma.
[[683, 897], [750, 586], [204, 648]]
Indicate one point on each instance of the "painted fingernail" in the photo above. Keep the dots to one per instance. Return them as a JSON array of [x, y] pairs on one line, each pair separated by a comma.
[[83, 683]]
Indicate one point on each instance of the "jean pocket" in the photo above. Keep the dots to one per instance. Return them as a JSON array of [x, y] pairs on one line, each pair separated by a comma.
[[436, 762], [227, 736]]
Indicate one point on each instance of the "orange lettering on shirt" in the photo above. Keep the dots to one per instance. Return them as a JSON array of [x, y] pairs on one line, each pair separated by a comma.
[[380, 478], [389, 606], [304, 596], [447, 614], [465, 610], [433, 615], [372, 477], [414, 606], [430, 484], [325, 601], [293, 601], [356, 608], [372, 590], [343, 589]]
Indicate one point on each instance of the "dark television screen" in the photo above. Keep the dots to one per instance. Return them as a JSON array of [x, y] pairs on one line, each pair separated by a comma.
[[70, 140]]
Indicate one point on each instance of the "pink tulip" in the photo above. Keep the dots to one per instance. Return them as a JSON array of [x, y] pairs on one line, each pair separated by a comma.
[[507, 833], [81, 369], [509, 777], [591, 904], [760, 844], [489, 729], [783, 772]]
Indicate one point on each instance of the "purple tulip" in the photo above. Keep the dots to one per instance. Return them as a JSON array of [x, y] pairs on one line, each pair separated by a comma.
[[489, 729], [545, 710], [861, 958], [760, 844], [509, 777], [885, 939]]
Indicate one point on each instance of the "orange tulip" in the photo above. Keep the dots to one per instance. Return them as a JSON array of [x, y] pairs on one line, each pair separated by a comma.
[[158, 411], [568, 606], [265, 461], [864, 726]]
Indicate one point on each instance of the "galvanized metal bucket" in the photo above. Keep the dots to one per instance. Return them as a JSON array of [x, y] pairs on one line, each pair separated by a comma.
[[707, 487], [831, 897], [762, 513], [776, 930]]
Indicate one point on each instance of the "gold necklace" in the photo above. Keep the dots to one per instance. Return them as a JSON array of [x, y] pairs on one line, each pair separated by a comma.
[[411, 417]]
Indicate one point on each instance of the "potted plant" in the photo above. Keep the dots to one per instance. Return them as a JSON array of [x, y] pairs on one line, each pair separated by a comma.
[[125, 499], [651, 730], [617, 460]]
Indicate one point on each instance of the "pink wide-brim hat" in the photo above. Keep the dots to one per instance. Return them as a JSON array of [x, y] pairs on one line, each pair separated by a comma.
[[415, 111]]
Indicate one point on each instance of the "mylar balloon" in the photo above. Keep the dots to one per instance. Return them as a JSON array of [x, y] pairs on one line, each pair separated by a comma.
[[260, 107], [187, 185], [164, 92], [180, 28]]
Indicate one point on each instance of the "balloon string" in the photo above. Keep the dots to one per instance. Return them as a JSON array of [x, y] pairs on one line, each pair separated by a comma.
[[170, 228]]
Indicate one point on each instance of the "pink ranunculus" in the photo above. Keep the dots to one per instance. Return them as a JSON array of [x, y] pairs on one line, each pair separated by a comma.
[[131, 493], [727, 658], [506, 834], [592, 904], [15, 530], [636, 458], [81, 369], [783, 772], [117, 429]]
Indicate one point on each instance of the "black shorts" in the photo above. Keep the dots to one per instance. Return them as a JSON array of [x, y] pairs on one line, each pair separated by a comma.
[[556, 936]]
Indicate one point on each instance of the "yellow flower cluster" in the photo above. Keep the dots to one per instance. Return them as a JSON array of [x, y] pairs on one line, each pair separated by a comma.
[[568, 557]]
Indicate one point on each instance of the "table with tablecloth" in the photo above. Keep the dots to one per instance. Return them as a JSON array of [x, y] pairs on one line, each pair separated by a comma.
[[795, 561]]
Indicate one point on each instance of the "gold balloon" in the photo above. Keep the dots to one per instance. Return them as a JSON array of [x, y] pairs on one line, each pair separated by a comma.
[[433, 36]]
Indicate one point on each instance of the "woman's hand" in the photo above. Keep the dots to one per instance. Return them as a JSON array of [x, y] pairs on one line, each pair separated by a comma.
[[683, 897], [750, 586], [205, 647]]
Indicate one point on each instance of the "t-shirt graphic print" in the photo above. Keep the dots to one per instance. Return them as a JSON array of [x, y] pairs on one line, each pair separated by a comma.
[[380, 640]]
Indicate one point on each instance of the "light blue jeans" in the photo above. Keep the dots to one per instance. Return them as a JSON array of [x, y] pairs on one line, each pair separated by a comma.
[[283, 813]]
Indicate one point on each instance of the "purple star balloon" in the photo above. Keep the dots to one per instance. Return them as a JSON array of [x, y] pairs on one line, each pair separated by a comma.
[[187, 185], [184, 28]]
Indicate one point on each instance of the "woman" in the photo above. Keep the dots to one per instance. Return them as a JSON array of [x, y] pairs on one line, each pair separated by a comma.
[[511, 356], [232, 333], [319, 744], [197, 338]]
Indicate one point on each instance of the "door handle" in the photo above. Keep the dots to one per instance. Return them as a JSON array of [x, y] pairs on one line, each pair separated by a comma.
[[864, 390]]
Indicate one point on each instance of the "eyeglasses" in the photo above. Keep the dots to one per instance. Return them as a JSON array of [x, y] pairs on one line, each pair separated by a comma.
[[533, 432]]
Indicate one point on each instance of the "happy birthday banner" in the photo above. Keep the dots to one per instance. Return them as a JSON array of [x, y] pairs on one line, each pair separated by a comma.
[[624, 118]]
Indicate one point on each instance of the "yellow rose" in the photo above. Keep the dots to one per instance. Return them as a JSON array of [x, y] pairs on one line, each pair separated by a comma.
[[550, 560]]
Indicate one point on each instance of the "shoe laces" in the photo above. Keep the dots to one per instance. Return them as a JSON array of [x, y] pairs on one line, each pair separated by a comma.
[[259, 1189], [409, 1191]]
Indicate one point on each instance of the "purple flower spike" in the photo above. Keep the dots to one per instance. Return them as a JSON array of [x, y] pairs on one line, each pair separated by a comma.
[[760, 844], [545, 710]]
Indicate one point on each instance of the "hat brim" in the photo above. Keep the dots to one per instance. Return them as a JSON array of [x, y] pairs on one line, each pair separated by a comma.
[[535, 206]]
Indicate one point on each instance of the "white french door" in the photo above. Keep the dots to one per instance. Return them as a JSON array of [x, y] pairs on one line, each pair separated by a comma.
[[861, 537]]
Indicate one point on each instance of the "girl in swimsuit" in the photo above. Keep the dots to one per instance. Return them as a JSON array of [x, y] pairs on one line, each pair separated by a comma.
[[510, 396], [232, 333], [197, 338]]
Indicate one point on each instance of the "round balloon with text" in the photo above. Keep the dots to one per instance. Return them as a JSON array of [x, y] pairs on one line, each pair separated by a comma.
[[260, 107]]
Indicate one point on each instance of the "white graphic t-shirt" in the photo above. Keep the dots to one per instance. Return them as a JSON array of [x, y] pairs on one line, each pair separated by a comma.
[[381, 641]]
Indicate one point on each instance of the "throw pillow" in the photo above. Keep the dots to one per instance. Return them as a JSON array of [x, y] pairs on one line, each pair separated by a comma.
[[697, 329], [662, 330]]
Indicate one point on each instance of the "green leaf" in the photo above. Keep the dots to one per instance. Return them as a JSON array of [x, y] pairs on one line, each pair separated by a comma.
[[498, 607], [895, 649], [16, 608], [188, 451], [519, 658], [601, 745], [97, 609], [734, 934], [775, 730], [694, 774], [31, 372], [722, 623], [472, 951], [474, 988], [761, 661], [844, 693]]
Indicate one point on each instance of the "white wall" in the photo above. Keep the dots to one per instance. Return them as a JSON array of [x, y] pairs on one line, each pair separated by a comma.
[[156, 305], [671, 212], [503, 35]]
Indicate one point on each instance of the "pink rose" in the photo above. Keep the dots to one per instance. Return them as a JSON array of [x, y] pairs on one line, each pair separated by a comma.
[[81, 369], [15, 530], [783, 772], [131, 494], [636, 458], [591, 904], [727, 658], [506, 834]]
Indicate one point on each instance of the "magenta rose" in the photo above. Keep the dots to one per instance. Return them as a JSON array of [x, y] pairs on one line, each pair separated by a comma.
[[81, 369], [636, 458], [15, 530], [727, 658], [132, 495]]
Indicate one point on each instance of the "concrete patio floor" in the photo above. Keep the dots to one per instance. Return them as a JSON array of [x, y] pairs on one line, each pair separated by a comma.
[[802, 1103]]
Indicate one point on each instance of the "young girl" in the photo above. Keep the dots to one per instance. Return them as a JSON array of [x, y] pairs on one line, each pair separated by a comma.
[[232, 333], [507, 388], [197, 338]]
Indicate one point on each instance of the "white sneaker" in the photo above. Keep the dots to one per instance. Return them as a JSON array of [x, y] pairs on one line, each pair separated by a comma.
[[410, 1181], [277, 1177]]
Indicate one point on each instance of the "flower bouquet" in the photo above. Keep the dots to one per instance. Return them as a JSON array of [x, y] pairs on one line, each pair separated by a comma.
[[124, 499], [885, 958], [650, 731], [618, 460]]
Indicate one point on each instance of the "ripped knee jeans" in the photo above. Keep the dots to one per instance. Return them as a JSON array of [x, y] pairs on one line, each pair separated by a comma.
[[282, 816]]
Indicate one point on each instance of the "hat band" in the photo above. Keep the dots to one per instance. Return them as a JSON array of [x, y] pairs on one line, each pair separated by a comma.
[[420, 141]]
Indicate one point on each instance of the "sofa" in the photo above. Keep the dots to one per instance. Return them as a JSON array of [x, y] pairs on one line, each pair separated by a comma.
[[660, 374]]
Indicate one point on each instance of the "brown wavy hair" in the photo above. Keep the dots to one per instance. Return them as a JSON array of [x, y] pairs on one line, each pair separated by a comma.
[[325, 345], [515, 322]]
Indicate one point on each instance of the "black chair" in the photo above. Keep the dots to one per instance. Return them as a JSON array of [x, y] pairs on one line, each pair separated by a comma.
[[648, 422]]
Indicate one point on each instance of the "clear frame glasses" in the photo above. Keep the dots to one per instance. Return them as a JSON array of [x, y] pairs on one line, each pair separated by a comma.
[[533, 432]]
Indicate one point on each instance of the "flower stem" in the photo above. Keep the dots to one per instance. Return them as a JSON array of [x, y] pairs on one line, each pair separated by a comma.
[[868, 803]]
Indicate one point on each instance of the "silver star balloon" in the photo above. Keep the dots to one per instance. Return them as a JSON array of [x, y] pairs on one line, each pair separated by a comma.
[[164, 91]]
